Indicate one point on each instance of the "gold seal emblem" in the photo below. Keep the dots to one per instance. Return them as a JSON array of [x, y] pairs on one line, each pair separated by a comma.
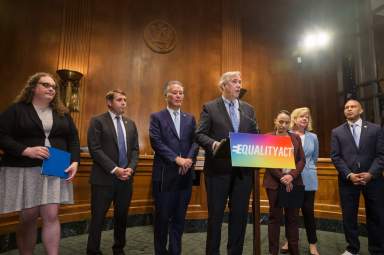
[[160, 36]]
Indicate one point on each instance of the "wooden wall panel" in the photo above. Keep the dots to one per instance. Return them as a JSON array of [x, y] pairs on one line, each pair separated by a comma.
[[275, 81], [104, 40], [132, 66], [30, 38], [75, 47], [326, 200], [378, 34], [231, 36]]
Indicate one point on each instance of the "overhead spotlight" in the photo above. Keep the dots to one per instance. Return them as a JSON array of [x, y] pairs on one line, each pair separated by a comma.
[[309, 41], [323, 39], [315, 40]]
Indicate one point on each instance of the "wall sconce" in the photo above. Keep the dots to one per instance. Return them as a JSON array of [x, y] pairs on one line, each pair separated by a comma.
[[69, 89]]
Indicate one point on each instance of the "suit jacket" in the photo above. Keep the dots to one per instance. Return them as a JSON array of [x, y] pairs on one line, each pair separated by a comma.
[[167, 146], [104, 149], [348, 158], [21, 127], [272, 176], [215, 125], [311, 151]]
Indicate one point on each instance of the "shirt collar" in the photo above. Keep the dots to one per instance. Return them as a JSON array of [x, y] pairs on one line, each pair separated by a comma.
[[171, 111], [358, 122], [235, 102], [113, 115]]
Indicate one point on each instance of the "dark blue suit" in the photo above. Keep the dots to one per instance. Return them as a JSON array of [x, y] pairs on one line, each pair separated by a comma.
[[368, 157], [171, 191]]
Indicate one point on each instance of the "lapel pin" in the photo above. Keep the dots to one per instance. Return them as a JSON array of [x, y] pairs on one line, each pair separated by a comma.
[[365, 126]]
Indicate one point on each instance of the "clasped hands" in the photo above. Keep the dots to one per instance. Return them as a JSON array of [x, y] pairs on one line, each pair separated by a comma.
[[123, 173], [184, 164], [360, 178], [287, 181]]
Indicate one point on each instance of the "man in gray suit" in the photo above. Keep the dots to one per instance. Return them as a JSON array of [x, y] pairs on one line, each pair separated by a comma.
[[358, 153], [113, 145], [219, 117]]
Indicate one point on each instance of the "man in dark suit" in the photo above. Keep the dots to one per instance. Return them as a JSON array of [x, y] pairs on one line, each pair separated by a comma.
[[113, 145], [358, 153], [172, 134], [219, 117]]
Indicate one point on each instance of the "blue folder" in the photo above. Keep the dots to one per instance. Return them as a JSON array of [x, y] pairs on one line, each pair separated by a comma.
[[56, 164]]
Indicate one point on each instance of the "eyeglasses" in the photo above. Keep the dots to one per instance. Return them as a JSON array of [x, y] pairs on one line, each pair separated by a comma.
[[47, 85]]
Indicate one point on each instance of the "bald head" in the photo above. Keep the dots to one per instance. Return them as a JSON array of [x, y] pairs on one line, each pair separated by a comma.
[[352, 110]]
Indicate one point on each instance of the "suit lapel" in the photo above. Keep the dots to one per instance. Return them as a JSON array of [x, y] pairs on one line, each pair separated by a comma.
[[183, 120], [111, 126], [363, 134], [35, 118], [243, 120], [223, 111], [306, 142], [349, 133], [169, 119], [55, 121], [125, 123]]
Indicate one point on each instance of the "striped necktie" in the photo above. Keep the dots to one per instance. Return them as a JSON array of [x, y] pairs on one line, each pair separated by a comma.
[[233, 116], [123, 160]]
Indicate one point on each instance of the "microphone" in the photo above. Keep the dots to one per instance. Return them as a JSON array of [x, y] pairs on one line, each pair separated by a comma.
[[250, 119]]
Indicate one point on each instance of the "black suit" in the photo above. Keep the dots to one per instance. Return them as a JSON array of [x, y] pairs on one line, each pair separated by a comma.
[[21, 127], [106, 187], [222, 180], [348, 158]]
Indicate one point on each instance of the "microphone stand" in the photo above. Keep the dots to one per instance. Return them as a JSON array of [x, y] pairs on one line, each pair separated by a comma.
[[255, 196]]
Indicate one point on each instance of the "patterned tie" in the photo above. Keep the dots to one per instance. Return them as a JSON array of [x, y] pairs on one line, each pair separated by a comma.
[[123, 160], [233, 116], [355, 135], [177, 122]]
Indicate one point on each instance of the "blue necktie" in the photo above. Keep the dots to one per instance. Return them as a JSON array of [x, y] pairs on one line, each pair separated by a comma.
[[233, 116], [123, 160], [177, 122], [355, 135]]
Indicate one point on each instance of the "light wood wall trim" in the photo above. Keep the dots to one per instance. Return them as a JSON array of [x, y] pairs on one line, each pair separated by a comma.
[[231, 36]]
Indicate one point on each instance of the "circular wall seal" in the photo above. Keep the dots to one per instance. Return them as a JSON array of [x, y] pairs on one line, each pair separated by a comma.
[[160, 36]]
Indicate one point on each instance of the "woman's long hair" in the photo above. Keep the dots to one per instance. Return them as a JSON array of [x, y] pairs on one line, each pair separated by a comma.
[[27, 93]]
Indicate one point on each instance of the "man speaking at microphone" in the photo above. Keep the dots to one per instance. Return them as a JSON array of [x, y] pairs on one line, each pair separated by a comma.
[[224, 182]]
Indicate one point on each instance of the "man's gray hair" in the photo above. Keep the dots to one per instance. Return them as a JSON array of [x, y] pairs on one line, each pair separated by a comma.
[[169, 83], [224, 79]]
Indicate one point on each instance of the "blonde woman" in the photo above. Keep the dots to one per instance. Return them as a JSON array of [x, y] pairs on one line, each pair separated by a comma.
[[301, 124]]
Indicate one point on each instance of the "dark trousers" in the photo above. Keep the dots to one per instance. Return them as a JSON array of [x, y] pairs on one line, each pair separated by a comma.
[[170, 210], [120, 194], [374, 208], [291, 225], [309, 216], [235, 187]]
